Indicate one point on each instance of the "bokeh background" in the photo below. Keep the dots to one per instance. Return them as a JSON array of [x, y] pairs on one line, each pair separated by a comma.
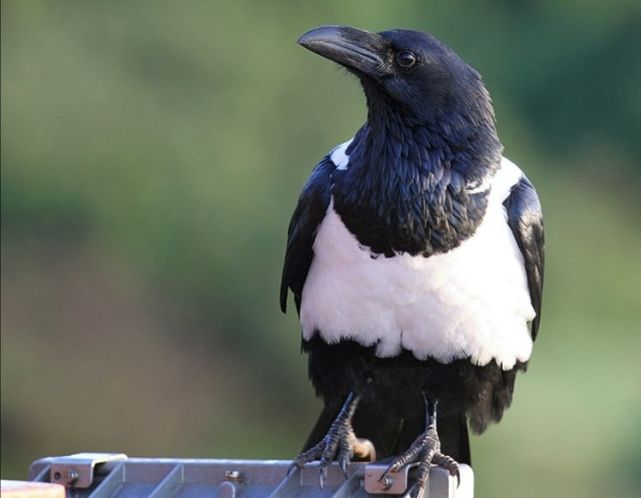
[[152, 153]]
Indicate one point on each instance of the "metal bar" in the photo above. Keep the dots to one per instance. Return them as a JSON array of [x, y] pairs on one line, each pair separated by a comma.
[[350, 487], [78, 470], [170, 484], [171, 477], [43, 475], [287, 486], [112, 483]]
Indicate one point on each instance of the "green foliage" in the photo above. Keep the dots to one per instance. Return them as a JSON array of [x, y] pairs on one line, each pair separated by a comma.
[[152, 153]]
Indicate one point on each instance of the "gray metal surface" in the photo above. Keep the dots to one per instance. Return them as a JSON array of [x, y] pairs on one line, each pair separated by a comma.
[[105, 475]]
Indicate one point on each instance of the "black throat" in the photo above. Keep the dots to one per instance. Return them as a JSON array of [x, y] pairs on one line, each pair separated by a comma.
[[406, 187]]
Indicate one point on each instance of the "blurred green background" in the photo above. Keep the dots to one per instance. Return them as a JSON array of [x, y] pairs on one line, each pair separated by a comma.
[[152, 153]]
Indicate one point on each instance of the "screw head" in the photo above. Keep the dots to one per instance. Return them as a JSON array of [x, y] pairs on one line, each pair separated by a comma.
[[386, 482], [233, 476]]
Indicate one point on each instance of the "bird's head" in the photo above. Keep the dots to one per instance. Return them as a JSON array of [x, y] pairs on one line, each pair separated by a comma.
[[409, 72]]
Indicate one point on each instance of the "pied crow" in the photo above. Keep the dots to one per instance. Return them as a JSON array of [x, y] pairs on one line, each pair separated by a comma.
[[415, 258]]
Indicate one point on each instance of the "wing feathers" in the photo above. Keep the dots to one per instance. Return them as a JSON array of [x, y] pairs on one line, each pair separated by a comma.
[[309, 212], [526, 222]]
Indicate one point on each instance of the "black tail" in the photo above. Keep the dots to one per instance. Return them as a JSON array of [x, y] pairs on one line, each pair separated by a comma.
[[455, 440], [392, 435]]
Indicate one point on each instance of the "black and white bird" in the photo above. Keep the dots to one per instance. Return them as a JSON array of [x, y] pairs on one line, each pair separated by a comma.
[[415, 258]]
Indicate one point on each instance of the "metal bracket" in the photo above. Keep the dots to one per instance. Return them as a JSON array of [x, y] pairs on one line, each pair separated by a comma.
[[393, 484], [77, 470]]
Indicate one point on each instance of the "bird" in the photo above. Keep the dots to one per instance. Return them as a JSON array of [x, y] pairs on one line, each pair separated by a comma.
[[415, 256]]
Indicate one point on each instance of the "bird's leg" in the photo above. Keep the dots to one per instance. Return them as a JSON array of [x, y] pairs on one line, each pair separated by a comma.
[[340, 443], [426, 450]]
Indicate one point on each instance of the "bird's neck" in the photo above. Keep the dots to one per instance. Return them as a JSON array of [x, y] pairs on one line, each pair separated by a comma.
[[393, 141], [406, 186]]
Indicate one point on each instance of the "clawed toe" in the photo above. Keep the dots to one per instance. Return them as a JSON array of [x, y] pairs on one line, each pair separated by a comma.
[[314, 453], [340, 444], [449, 464], [425, 450], [336, 445]]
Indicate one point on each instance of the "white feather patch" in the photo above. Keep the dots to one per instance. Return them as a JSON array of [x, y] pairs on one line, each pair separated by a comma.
[[338, 155], [472, 301]]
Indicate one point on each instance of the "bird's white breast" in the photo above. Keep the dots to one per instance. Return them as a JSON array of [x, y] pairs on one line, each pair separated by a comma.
[[472, 301]]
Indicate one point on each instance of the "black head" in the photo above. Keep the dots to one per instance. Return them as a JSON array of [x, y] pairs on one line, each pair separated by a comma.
[[406, 70]]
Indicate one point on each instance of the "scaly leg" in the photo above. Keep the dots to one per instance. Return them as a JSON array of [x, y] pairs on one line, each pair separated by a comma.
[[426, 450], [340, 443]]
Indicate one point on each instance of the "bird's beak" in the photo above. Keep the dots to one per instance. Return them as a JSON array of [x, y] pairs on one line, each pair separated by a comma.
[[355, 49]]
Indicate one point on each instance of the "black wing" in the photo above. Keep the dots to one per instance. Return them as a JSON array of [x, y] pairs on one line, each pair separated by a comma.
[[309, 212], [525, 219]]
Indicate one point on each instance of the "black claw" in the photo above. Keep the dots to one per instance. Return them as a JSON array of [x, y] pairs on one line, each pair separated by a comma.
[[391, 469], [343, 465], [345, 455], [417, 491], [458, 477], [322, 475]]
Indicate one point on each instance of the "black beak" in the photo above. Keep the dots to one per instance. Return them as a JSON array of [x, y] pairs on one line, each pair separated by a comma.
[[358, 50]]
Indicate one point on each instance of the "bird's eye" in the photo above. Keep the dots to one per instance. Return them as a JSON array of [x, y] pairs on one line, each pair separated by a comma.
[[405, 59]]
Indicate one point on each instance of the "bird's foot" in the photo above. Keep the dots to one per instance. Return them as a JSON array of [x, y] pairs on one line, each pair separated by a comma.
[[425, 450], [340, 444]]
